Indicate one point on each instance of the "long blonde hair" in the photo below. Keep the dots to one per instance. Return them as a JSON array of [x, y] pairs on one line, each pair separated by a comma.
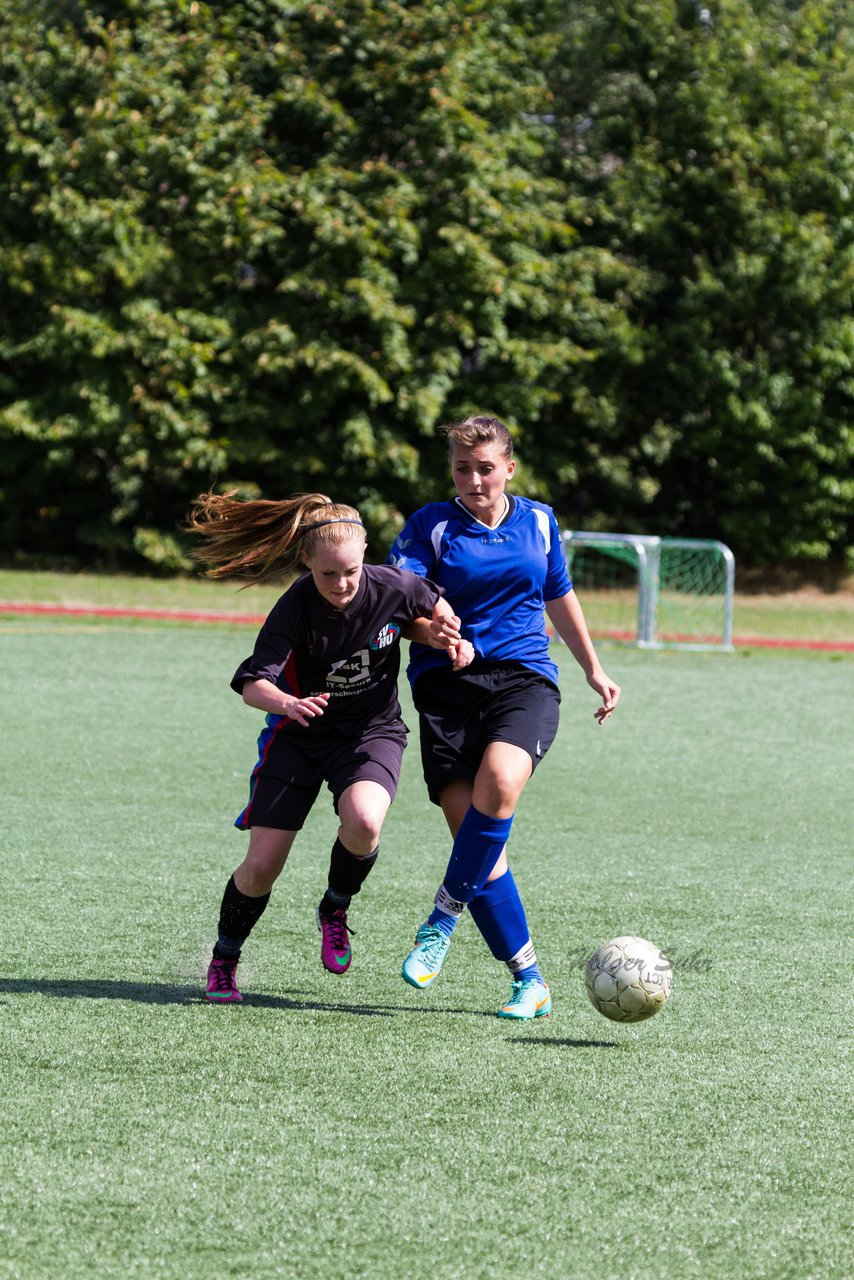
[[261, 538]]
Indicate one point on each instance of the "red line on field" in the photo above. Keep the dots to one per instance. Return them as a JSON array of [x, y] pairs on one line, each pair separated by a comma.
[[605, 635], [114, 611], [835, 646], [742, 642], [255, 619]]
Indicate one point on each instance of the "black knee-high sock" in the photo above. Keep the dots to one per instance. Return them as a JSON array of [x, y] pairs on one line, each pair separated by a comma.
[[347, 874], [238, 915]]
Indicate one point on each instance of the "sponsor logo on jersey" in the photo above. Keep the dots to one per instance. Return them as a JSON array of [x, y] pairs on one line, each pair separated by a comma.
[[352, 670], [385, 637]]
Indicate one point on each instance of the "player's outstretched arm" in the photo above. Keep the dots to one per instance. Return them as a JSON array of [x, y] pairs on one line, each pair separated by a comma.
[[566, 615], [263, 695]]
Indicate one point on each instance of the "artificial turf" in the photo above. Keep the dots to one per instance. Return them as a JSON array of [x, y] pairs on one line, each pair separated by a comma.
[[353, 1126]]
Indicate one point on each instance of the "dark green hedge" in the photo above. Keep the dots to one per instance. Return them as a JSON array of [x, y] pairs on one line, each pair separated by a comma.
[[271, 246]]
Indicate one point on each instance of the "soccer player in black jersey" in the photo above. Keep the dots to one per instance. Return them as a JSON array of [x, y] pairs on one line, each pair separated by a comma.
[[324, 669]]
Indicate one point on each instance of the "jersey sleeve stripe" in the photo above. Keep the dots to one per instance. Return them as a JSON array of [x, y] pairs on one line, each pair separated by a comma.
[[436, 535], [545, 528]]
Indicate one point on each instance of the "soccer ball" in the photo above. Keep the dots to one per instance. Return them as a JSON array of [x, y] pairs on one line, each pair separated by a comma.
[[629, 979]]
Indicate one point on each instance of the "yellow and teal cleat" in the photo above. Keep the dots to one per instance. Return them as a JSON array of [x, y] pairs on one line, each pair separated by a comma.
[[529, 998], [423, 963]]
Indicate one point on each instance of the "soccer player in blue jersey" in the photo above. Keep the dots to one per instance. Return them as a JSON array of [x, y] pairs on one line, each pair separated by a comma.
[[324, 669], [485, 728]]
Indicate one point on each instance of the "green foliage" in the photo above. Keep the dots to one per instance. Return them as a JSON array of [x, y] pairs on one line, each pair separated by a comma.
[[272, 246], [715, 145]]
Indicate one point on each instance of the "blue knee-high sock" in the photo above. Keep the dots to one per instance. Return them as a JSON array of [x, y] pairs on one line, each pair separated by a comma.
[[477, 848], [498, 912]]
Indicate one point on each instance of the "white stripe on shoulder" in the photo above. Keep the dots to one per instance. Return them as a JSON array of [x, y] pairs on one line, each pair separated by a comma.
[[436, 538], [545, 527]]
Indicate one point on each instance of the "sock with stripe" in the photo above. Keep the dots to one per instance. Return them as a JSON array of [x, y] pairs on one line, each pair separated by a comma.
[[499, 915], [447, 911], [477, 847]]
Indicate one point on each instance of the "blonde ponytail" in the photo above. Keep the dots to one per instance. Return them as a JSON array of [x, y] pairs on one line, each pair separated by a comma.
[[262, 537]]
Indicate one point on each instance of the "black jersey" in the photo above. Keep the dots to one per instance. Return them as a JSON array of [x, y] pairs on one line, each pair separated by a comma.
[[307, 647]]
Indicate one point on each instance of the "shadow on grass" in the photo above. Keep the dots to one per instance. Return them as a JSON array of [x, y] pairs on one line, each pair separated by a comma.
[[557, 1042], [163, 993]]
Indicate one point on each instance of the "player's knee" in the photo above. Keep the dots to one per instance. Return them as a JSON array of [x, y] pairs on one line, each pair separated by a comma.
[[360, 831], [265, 859], [262, 869], [501, 779], [498, 794]]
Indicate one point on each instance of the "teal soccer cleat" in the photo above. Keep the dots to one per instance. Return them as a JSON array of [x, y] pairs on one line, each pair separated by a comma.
[[529, 998], [423, 963]]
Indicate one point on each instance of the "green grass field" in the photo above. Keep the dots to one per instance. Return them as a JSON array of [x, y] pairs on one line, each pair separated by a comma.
[[353, 1126]]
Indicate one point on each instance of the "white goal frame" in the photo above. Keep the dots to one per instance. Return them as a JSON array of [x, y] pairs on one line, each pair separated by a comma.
[[650, 552]]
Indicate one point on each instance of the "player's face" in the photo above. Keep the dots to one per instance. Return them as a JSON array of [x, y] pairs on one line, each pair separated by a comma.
[[480, 476], [337, 570]]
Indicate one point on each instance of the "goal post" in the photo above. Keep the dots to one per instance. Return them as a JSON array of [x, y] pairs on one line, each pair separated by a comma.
[[654, 592]]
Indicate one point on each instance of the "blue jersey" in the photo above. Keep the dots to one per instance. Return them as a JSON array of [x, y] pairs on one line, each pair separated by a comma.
[[497, 580]]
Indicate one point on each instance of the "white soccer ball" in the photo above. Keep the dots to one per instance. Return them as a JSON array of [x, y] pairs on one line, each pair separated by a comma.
[[629, 979]]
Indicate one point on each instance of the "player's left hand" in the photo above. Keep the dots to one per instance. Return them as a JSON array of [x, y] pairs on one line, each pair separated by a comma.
[[461, 655], [444, 628], [609, 692]]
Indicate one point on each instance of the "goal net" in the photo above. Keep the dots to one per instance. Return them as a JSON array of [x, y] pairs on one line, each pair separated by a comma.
[[654, 592]]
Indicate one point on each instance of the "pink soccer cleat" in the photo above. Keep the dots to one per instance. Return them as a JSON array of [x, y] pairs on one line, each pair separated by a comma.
[[222, 982], [335, 950]]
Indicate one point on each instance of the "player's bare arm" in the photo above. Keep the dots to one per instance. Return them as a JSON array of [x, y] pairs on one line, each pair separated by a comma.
[[567, 617], [442, 631], [263, 695]]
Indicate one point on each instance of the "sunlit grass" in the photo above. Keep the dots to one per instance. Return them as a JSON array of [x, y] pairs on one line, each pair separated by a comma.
[[352, 1125]]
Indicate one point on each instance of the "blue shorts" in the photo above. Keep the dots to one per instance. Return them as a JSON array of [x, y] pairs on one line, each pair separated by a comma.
[[293, 766], [461, 712]]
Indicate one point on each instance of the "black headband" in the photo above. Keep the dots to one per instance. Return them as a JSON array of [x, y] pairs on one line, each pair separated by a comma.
[[337, 520]]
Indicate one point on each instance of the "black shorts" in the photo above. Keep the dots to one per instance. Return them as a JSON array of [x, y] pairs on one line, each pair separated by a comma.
[[461, 712], [292, 767]]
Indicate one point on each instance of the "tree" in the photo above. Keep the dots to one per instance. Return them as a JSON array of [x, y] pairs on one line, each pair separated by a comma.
[[270, 247], [714, 146]]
